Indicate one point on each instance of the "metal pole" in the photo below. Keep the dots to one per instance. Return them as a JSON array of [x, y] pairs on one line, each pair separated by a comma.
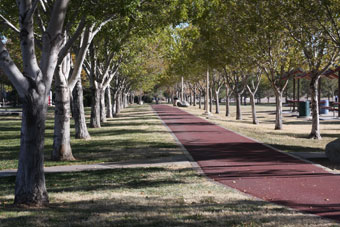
[[294, 85], [207, 112], [182, 91]]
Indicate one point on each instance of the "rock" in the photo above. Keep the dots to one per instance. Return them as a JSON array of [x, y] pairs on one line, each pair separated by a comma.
[[333, 151], [183, 104]]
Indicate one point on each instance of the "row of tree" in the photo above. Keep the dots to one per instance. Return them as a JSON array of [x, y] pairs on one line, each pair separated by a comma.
[[123, 48], [105, 44], [240, 42]]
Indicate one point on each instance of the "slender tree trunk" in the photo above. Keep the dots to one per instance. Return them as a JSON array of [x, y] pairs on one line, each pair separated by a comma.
[[278, 118], [30, 186], [238, 106], [217, 101], [125, 103], [227, 102], [108, 100], [95, 108], [200, 100], [61, 140], [315, 132], [102, 106], [121, 101], [79, 112], [114, 100], [210, 100], [132, 98], [253, 109], [195, 97], [118, 103], [205, 102]]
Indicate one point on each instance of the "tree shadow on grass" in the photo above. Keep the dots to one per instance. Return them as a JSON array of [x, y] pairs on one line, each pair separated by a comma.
[[120, 150], [122, 132], [134, 203]]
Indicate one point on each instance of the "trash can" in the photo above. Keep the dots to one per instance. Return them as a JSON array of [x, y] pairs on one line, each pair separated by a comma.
[[304, 110], [324, 103]]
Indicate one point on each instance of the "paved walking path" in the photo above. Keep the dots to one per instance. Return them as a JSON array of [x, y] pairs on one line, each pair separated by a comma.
[[175, 160], [253, 168]]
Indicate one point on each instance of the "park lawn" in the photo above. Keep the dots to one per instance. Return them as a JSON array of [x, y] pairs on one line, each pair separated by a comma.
[[160, 196], [136, 134], [292, 138], [170, 195]]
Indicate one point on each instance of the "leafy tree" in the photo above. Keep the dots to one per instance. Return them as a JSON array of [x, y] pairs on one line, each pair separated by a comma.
[[33, 86]]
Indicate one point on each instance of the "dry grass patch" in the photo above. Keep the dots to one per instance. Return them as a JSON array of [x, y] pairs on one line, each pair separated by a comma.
[[166, 196]]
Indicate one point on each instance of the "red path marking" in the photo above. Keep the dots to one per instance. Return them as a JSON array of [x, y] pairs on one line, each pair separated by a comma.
[[253, 168]]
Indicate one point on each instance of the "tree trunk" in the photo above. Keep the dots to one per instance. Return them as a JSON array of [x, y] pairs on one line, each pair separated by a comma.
[[118, 103], [238, 106], [114, 99], [210, 100], [102, 106], [253, 110], [108, 100], [227, 102], [95, 108], [205, 102], [200, 100], [195, 97], [278, 118], [61, 141], [315, 132], [217, 102], [125, 102], [30, 186], [79, 112]]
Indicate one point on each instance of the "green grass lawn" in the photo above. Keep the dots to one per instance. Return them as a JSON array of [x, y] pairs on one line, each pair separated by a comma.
[[170, 195], [136, 134], [163, 196]]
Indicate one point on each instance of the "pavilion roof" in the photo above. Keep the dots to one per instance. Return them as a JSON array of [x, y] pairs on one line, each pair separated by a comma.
[[300, 74]]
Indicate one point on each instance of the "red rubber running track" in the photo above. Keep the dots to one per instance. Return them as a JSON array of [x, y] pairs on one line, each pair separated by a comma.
[[253, 168]]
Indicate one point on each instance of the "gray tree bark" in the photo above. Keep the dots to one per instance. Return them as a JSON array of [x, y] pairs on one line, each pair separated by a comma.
[[253, 108], [238, 106], [227, 102], [200, 100], [30, 186], [81, 131], [118, 103], [95, 108], [61, 139], [315, 132], [278, 116], [108, 99], [33, 86], [217, 97], [102, 106], [195, 96]]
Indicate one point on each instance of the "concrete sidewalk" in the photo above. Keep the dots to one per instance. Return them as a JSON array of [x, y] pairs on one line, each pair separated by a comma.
[[178, 160]]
